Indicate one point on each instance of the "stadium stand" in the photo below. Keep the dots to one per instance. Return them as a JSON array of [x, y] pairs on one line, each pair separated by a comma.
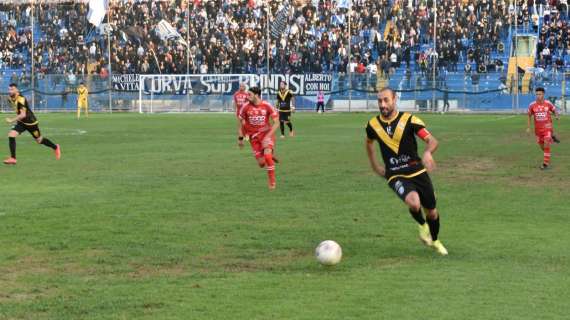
[[314, 39], [391, 41]]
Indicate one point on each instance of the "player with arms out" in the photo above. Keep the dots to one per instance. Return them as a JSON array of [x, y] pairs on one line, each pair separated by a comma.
[[240, 100], [255, 118], [82, 100], [285, 104], [25, 120], [406, 172], [541, 111]]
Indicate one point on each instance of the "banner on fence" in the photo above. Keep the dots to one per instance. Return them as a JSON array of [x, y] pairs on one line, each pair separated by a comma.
[[299, 84], [126, 82]]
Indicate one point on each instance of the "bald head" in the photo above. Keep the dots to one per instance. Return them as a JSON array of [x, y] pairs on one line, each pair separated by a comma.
[[387, 102], [388, 90]]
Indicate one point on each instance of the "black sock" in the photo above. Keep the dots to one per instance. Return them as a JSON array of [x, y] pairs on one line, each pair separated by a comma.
[[12, 144], [290, 125], [433, 227], [282, 127], [47, 142], [418, 216]]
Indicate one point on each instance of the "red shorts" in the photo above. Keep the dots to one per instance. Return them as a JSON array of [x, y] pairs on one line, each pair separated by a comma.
[[544, 137], [260, 142]]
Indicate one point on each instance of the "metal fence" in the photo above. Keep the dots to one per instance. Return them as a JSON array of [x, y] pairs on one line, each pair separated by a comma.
[[454, 92]]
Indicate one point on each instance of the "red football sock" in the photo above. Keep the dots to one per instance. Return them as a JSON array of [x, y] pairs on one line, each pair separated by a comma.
[[547, 155], [270, 168]]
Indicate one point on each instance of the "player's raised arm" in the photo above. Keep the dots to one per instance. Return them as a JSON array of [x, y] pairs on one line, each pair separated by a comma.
[[371, 152]]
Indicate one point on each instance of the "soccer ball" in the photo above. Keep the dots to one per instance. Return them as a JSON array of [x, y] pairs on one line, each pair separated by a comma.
[[328, 253]]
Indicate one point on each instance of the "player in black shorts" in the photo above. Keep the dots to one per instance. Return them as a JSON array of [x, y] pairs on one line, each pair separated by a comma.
[[285, 105], [24, 121], [406, 172]]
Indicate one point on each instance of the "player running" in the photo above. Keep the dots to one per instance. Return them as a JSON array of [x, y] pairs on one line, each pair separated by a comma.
[[541, 111], [285, 104], [406, 172], [82, 101], [24, 121], [240, 99], [255, 117]]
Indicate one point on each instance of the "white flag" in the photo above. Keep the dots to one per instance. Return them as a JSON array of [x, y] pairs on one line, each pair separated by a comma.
[[343, 4], [97, 11], [167, 32]]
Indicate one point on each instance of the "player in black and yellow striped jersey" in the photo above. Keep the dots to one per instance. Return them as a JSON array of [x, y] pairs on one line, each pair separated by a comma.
[[285, 105], [25, 120], [406, 172], [82, 100]]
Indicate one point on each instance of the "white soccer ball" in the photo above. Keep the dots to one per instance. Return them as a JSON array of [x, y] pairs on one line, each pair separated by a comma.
[[328, 253]]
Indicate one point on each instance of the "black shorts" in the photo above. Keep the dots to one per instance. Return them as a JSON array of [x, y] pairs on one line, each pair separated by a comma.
[[420, 183], [34, 130], [284, 116]]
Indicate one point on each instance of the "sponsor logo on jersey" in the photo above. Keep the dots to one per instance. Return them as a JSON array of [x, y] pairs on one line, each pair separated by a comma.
[[399, 187]]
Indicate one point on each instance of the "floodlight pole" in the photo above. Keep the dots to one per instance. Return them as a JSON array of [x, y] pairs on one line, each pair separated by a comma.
[[516, 42], [33, 65], [349, 55], [433, 83], [188, 38], [268, 43], [187, 54], [109, 30]]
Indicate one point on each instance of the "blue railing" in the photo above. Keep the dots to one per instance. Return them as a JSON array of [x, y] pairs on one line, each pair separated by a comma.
[[484, 92]]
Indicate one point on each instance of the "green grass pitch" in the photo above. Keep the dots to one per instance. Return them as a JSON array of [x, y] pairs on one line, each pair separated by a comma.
[[163, 217]]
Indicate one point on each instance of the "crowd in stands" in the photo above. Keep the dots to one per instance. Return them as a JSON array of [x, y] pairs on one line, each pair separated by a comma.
[[553, 47], [231, 36], [14, 40]]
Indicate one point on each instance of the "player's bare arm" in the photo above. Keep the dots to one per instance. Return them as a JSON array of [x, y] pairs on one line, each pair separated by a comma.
[[274, 126], [431, 147], [240, 132], [376, 167], [528, 124], [241, 123], [19, 117]]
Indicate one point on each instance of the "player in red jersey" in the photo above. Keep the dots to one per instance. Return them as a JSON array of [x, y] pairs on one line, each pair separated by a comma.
[[255, 117], [541, 111], [240, 100]]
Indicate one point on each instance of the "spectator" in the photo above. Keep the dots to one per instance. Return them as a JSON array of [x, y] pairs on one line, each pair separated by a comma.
[[227, 36]]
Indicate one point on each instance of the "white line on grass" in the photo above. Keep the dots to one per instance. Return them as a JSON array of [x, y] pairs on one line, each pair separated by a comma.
[[65, 132]]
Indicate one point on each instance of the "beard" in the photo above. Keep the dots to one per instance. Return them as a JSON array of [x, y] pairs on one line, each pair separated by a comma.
[[386, 112]]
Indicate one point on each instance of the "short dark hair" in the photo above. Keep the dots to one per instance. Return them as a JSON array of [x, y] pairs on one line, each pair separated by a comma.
[[13, 85], [255, 90], [539, 89]]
